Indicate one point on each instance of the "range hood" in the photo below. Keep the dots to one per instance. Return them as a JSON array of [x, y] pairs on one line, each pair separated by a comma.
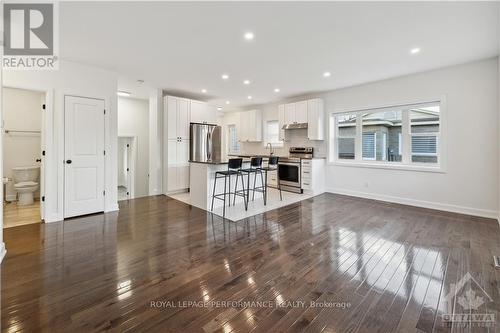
[[295, 126]]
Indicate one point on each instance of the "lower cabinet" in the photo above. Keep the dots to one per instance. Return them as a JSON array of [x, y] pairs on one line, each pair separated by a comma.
[[177, 165], [272, 178], [177, 178], [313, 175]]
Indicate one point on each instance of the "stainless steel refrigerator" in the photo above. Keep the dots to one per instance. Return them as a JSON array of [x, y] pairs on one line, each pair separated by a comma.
[[206, 142]]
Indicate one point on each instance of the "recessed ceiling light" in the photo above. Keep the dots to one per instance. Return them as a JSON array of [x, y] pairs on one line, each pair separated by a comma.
[[227, 102], [246, 82], [225, 76], [415, 50], [276, 89], [219, 108], [249, 35], [122, 93], [204, 91], [249, 97], [327, 74]]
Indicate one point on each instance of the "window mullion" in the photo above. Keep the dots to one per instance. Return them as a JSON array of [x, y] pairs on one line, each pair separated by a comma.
[[358, 143], [406, 137]]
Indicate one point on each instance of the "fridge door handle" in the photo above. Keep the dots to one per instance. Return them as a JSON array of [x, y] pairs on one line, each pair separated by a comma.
[[209, 150]]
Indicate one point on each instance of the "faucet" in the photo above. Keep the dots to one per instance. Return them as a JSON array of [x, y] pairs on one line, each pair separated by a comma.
[[271, 149]]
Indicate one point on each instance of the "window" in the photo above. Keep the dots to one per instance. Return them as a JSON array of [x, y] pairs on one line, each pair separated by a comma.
[[234, 144], [424, 123], [273, 133], [381, 132], [346, 136], [399, 135]]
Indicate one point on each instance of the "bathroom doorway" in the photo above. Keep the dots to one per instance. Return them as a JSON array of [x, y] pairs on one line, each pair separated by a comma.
[[126, 167], [23, 121]]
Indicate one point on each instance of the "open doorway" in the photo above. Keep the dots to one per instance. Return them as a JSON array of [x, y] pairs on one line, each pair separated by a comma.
[[133, 148], [126, 167], [22, 161]]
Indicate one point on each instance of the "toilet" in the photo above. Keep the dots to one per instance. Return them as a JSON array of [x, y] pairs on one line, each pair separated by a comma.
[[26, 183]]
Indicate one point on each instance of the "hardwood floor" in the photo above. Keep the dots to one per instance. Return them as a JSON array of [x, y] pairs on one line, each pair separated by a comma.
[[15, 215], [333, 263]]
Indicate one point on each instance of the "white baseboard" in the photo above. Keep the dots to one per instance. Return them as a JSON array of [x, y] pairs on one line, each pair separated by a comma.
[[3, 251], [112, 208], [419, 203]]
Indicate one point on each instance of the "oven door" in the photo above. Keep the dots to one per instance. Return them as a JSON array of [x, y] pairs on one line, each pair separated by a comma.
[[289, 174]]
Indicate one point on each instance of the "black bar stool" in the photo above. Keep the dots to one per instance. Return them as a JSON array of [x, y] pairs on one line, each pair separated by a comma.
[[255, 168], [233, 168], [272, 165]]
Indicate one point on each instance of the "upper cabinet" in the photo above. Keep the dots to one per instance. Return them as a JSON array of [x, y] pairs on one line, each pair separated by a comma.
[[315, 119], [250, 129], [309, 111], [177, 113], [203, 113], [301, 112]]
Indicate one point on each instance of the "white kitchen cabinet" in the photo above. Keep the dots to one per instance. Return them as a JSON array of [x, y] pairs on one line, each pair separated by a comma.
[[212, 114], [250, 129], [301, 112], [290, 113], [281, 121], [198, 112], [178, 178], [272, 178], [313, 175], [177, 117], [177, 165], [315, 119], [203, 113]]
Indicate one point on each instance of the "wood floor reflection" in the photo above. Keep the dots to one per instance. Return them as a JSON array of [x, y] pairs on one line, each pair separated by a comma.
[[327, 264]]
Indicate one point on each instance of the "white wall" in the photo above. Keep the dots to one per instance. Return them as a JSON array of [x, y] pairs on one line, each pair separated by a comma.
[[22, 110], [133, 120], [470, 184], [79, 80]]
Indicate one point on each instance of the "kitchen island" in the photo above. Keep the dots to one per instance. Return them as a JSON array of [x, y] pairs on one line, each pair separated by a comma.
[[202, 177]]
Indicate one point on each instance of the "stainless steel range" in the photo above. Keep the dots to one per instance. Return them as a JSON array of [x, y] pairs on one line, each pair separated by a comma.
[[289, 168]]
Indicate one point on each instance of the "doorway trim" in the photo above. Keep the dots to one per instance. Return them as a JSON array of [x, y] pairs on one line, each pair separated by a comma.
[[47, 139]]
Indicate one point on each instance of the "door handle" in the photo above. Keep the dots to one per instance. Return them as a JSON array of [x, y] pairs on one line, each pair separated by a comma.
[[69, 161]]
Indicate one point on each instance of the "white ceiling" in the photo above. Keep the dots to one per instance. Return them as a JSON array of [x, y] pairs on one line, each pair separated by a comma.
[[185, 47]]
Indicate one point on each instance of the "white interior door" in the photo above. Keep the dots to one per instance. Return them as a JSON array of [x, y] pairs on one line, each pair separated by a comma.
[[83, 156]]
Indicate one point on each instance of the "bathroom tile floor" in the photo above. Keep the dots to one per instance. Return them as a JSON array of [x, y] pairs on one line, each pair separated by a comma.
[[15, 215]]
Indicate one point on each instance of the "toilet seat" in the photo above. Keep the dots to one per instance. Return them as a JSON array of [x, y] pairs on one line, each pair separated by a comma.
[[25, 184]]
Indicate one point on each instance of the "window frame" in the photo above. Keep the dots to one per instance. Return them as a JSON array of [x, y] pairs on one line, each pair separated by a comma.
[[229, 143], [405, 163], [279, 143]]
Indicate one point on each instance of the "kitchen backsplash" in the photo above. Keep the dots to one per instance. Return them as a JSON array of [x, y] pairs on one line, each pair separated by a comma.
[[293, 138]]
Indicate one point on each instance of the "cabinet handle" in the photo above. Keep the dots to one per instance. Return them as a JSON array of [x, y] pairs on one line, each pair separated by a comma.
[[305, 171]]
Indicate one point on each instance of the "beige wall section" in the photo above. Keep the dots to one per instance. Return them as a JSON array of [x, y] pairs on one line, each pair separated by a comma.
[[22, 110], [133, 120]]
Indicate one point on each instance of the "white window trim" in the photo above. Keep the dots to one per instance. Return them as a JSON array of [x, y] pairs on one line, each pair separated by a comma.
[[405, 164]]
